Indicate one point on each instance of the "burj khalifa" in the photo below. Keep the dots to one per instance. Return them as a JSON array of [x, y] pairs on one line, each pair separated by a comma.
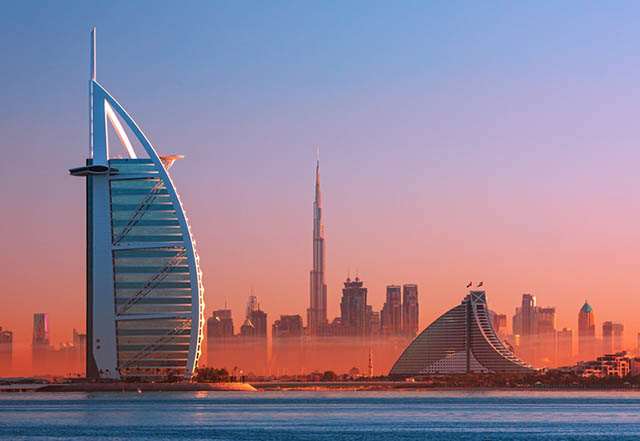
[[317, 312]]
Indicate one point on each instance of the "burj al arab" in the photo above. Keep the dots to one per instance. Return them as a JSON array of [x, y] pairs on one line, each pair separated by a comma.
[[145, 308]]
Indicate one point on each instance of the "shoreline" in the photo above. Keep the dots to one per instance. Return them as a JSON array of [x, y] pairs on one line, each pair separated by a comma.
[[129, 387], [420, 386], [338, 386]]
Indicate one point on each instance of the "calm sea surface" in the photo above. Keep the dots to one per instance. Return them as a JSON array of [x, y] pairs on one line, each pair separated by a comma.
[[442, 415]]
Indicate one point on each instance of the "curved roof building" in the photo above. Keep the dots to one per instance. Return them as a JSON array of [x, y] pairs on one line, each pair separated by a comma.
[[461, 340], [144, 286]]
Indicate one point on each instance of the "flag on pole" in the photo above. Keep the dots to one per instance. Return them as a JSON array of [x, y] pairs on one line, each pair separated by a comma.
[[479, 284], [469, 285]]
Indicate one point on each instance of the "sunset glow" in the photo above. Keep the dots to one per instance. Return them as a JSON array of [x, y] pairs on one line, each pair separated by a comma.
[[480, 143]]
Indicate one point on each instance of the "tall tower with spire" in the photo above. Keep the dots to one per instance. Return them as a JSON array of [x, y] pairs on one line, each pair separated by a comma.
[[317, 312]]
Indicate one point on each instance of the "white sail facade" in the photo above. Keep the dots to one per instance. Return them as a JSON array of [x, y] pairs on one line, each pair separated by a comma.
[[145, 308]]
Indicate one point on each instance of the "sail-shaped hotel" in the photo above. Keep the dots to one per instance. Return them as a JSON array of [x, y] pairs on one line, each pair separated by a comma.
[[145, 308], [460, 341]]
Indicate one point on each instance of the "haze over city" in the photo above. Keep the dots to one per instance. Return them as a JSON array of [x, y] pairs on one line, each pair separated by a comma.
[[491, 142]]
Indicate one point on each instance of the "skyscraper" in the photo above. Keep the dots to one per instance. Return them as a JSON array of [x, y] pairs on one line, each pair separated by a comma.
[[501, 327], [6, 351], [353, 307], [546, 320], [391, 315], [145, 307], [528, 314], [40, 343], [259, 319], [612, 334], [41, 333], [317, 312], [374, 327], [565, 346], [287, 347], [498, 321], [516, 323], [288, 326], [586, 332], [545, 344], [410, 309], [220, 325]]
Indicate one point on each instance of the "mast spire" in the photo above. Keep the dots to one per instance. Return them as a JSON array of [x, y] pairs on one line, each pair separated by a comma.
[[93, 53], [318, 194], [92, 75]]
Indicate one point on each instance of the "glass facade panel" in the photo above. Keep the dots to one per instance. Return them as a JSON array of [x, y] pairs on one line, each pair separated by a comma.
[[149, 281]]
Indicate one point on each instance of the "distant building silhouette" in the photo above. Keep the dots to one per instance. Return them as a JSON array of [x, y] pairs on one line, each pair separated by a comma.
[[40, 344], [353, 308], [410, 309], [501, 327], [391, 314], [41, 333], [517, 321], [79, 351], [528, 315], [220, 339], [565, 346], [534, 330], [6, 352], [247, 329], [220, 325], [612, 337], [245, 351], [259, 320], [545, 344], [586, 332], [498, 321], [287, 326], [287, 344], [375, 322], [545, 321]]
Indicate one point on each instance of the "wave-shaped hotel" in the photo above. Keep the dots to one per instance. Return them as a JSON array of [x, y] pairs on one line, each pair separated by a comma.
[[460, 341], [145, 308]]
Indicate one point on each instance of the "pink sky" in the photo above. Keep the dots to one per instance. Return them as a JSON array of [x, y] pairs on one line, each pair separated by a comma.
[[456, 144]]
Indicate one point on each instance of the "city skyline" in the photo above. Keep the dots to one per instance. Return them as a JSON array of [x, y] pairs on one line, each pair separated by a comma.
[[450, 166], [529, 319]]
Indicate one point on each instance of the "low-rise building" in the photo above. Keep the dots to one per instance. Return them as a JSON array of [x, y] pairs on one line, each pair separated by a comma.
[[618, 364]]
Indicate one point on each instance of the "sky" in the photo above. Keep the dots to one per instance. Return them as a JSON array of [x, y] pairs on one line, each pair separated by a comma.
[[459, 141]]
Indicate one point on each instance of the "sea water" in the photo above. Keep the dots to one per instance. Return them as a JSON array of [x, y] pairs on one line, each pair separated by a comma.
[[353, 415]]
